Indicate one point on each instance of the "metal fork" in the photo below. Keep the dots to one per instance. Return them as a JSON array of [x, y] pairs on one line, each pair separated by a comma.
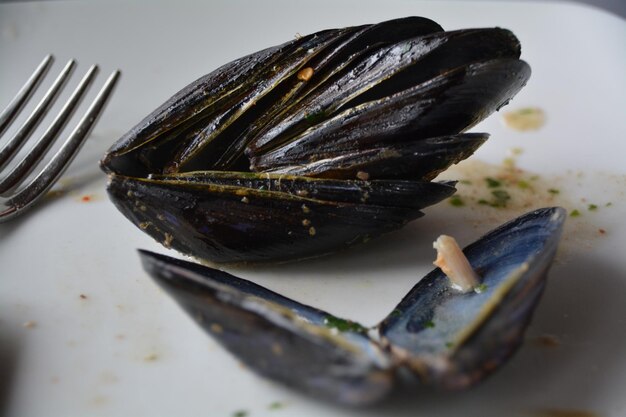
[[14, 199]]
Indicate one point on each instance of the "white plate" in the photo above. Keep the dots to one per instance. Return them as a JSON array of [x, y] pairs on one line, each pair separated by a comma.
[[127, 349]]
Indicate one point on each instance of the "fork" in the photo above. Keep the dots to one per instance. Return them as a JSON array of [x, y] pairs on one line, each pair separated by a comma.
[[14, 199]]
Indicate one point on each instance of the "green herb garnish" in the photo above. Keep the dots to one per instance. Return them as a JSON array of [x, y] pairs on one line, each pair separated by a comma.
[[480, 288], [592, 207], [456, 201], [609, 204], [276, 405], [240, 413], [493, 183], [554, 191], [500, 198], [523, 184], [343, 325], [429, 324], [574, 213]]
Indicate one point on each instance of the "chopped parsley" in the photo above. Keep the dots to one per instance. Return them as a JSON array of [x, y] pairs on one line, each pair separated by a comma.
[[429, 324], [592, 207], [492, 182], [240, 413], [500, 198], [575, 213], [343, 325], [480, 288], [523, 184], [276, 405], [457, 201]]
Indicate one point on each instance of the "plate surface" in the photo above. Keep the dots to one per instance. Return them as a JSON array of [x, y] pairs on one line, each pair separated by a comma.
[[84, 331]]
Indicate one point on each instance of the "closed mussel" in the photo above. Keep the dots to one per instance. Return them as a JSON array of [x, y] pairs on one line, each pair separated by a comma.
[[310, 146]]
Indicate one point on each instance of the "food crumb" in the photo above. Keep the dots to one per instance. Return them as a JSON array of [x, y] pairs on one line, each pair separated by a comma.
[[602, 231], [83, 297], [216, 328], [31, 324], [305, 74], [86, 198], [525, 119], [362, 175], [151, 357], [312, 231], [548, 340], [167, 241]]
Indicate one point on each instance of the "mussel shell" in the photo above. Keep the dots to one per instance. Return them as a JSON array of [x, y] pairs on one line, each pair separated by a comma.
[[232, 223], [446, 339], [389, 101], [275, 336], [453, 339], [212, 113]]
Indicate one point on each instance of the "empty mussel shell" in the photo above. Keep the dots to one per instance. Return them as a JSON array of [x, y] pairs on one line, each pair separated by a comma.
[[443, 337]]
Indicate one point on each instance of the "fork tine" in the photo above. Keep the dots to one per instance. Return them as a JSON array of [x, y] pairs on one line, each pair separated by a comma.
[[22, 96], [18, 140], [61, 160], [28, 163]]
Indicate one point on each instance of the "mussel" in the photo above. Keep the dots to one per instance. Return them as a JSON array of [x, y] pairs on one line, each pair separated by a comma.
[[437, 336], [316, 144]]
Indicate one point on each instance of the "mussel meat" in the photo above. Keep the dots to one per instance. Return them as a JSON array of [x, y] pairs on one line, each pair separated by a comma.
[[316, 144], [440, 336]]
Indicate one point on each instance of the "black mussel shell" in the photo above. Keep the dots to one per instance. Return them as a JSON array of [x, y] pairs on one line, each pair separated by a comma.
[[268, 216], [375, 106], [445, 338]]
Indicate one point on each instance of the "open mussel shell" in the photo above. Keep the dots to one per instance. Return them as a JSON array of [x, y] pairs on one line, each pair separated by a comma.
[[445, 338], [276, 337], [382, 102], [452, 339]]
